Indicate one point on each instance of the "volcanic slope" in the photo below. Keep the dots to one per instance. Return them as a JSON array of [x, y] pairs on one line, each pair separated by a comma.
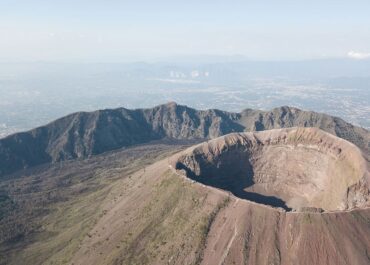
[[328, 185], [84, 134], [132, 206], [49, 213], [206, 224], [102, 188]]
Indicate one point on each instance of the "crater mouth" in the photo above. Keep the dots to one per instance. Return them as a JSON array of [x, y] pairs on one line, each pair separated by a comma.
[[296, 169]]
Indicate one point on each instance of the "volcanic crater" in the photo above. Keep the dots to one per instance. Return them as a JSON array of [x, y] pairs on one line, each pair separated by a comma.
[[296, 169]]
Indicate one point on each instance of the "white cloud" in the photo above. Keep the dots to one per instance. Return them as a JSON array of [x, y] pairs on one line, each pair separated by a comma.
[[358, 55]]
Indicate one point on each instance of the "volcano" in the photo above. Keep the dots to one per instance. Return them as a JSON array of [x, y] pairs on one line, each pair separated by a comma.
[[173, 185]]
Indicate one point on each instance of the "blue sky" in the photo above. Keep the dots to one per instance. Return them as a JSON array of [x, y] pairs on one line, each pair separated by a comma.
[[110, 30]]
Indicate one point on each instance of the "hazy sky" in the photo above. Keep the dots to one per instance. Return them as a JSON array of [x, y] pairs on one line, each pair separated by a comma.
[[112, 30]]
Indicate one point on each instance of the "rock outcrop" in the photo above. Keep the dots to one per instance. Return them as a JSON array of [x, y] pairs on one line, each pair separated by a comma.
[[83, 134]]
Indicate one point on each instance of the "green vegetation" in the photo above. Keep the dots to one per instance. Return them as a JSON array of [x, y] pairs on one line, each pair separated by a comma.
[[307, 218]]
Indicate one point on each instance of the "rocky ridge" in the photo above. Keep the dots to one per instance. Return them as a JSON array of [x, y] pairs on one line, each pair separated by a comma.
[[83, 134]]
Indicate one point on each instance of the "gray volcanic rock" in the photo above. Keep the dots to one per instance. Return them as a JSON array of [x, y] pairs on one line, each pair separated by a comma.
[[84, 134]]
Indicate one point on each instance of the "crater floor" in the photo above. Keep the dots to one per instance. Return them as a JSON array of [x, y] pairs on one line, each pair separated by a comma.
[[299, 169]]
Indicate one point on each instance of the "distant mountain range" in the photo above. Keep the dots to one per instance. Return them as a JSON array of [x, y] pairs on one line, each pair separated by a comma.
[[84, 134]]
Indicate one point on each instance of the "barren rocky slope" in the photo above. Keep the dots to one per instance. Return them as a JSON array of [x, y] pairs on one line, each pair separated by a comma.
[[83, 134], [286, 196], [131, 207], [323, 178], [46, 212], [201, 224]]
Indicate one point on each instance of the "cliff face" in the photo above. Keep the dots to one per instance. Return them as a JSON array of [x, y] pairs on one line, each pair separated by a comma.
[[83, 134]]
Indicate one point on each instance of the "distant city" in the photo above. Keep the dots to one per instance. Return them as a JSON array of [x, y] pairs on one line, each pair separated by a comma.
[[35, 94]]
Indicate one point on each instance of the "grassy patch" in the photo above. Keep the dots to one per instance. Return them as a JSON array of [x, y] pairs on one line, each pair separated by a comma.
[[175, 217]]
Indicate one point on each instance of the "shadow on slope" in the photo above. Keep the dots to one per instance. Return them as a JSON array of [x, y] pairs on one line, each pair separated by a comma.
[[234, 180]]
